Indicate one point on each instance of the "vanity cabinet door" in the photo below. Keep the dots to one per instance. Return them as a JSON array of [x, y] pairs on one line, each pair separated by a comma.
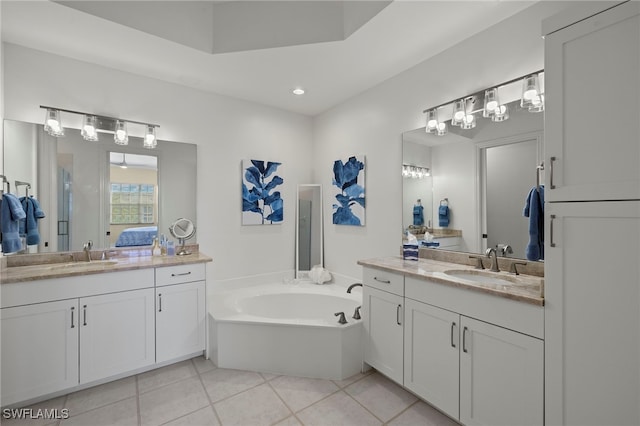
[[39, 349], [180, 320], [117, 333], [591, 153], [501, 376], [431, 355], [382, 316]]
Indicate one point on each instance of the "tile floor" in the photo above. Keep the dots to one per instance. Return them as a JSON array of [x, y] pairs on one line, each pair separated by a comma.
[[196, 392]]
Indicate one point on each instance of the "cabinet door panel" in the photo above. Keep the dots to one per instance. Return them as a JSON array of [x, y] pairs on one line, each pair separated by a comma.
[[180, 320], [383, 316], [592, 314], [116, 333], [501, 376], [595, 62], [431, 355], [39, 349]]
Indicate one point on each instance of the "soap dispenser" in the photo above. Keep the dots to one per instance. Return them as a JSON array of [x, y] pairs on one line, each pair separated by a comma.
[[156, 248]]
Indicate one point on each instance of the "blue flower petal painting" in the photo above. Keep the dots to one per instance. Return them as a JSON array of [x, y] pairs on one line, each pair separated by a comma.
[[348, 185], [261, 205]]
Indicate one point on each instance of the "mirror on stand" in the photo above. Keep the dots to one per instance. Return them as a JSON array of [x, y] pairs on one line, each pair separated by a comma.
[[309, 249]]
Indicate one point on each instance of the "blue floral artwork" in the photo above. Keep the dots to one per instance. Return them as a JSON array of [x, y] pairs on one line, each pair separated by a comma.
[[348, 185], [261, 205]]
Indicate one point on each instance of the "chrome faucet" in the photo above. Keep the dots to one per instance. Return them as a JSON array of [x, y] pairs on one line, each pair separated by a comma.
[[87, 250], [494, 260], [352, 286]]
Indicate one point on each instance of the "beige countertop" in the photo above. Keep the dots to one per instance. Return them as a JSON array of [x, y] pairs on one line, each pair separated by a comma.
[[524, 288], [124, 261]]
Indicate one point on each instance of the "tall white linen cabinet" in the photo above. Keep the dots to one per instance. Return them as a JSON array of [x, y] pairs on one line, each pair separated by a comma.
[[592, 216]]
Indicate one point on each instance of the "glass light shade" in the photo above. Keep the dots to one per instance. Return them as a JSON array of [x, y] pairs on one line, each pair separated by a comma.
[[52, 123], [150, 141], [501, 113], [468, 121], [459, 111], [89, 132], [491, 102], [432, 121], [121, 135], [531, 97], [442, 129]]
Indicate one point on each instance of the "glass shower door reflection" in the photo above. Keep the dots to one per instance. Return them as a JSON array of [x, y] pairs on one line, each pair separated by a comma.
[[65, 197]]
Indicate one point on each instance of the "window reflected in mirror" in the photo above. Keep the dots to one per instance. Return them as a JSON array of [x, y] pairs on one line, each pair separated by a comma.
[[133, 199]]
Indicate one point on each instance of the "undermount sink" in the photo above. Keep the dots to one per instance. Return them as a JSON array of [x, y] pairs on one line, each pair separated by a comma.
[[481, 277], [79, 265]]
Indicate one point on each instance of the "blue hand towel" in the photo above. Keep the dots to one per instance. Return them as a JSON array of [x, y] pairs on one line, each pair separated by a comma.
[[443, 216], [29, 225], [10, 214], [418, 215], [534, 210]]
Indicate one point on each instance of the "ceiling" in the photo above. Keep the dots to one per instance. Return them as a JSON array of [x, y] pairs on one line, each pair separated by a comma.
[[255, 50]]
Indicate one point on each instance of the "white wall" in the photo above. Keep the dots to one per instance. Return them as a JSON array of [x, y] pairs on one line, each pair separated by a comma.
[[226, 131], [372, 123], [21, 145]]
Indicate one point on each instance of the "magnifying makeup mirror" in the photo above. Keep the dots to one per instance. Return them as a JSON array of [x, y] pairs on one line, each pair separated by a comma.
[[182, 229]]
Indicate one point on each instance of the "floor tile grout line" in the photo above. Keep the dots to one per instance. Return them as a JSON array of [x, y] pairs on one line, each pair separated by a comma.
[[417, 401], [291, 412], [215, 412]]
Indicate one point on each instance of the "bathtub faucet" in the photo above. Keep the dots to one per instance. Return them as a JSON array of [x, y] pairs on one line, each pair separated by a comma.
[[352, 286], [342, 319]]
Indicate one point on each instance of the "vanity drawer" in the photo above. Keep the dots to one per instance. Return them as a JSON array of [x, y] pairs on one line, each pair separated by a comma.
[[180, 274], [384, 280]]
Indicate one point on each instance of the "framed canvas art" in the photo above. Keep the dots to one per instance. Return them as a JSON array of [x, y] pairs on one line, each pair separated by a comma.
[[261, 203], [349, 191]]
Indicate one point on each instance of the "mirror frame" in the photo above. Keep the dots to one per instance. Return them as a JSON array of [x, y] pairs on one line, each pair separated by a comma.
[[305, 274]]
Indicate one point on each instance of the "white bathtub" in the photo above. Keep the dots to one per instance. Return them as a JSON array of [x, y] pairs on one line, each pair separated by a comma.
[[288, 329]]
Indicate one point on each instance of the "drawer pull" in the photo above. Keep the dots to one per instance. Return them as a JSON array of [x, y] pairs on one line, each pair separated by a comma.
[[382, 281], [73, 308], [551, 243], [181, 274], [84, 309], [398, 315], [160, 302], [453, 325]]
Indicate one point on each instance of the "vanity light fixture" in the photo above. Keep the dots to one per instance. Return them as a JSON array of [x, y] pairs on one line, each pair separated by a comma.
[[89, 131], [492, 103], [92, 124], [120, 135], [52, 123], [150, 140], [124, 165], [415, 172], [531, 98]]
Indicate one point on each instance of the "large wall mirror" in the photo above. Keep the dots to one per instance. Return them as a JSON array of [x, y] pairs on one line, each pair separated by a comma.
[[113, 195], [483, 174], [309, 248]]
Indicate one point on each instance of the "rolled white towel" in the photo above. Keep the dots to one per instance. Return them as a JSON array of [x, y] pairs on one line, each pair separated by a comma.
[[319, 275]]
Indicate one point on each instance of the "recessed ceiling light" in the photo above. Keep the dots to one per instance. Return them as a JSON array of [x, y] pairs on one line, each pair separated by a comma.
[[298, 91]]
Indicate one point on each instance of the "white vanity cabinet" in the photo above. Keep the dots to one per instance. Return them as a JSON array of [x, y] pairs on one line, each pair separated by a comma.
[[477, 357], [39, 349], [116, 333], [476, 372], [382, 315], [180, 311]]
